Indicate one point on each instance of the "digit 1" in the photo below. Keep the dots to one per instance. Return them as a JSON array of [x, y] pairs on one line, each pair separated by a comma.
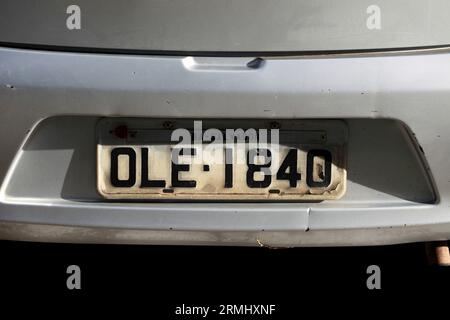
[[228, 168]]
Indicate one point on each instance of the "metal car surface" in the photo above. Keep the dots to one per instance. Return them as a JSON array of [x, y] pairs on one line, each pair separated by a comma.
[[391, 86]]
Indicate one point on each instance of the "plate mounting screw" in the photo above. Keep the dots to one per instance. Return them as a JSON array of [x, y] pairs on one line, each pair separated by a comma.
[[168, 124], [275, 125]]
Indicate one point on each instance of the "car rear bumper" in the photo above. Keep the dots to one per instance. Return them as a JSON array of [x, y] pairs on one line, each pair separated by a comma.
[[37, 87]]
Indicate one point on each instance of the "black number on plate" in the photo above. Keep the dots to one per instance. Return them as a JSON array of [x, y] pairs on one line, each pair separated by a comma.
[[324, 173], [253, 168], [228, 168], [289, 163]]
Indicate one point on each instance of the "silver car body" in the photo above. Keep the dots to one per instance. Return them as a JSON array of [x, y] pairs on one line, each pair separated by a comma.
[[189, 60]]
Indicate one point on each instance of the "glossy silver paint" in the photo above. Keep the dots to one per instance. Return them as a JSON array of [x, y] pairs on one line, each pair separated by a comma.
[[227, 25]]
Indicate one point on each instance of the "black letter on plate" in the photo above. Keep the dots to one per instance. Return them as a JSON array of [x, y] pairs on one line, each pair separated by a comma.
[[145, 182], [115, 153], [176, 182]]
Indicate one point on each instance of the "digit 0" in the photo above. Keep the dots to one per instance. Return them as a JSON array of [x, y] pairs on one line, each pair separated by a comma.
[[325, 176]]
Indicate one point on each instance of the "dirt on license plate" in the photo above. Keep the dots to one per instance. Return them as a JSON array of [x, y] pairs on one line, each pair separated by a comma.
[[140, 159]]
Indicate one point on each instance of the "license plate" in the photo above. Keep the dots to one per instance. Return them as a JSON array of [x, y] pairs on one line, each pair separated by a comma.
[[221, 159]]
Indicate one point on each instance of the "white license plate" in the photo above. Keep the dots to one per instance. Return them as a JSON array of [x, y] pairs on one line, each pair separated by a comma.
[[136, 159]]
